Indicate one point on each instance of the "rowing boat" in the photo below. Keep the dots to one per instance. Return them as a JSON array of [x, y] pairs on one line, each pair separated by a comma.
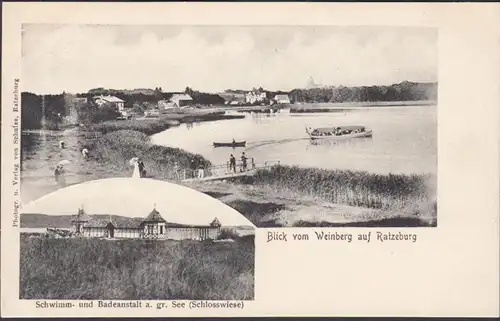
[[232, 144], [338, 133]]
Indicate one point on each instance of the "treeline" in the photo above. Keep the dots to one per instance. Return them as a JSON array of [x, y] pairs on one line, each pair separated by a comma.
[[35, 108], [52, 109], [203, 98], [405, 91]]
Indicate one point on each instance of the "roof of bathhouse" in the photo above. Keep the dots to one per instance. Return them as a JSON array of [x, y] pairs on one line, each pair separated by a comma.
[[117, 221], [215, 222], [154, 216]]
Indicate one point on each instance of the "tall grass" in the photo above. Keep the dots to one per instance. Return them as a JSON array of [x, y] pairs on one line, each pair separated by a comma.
[[136, 269], [355, 188], [117, 148]]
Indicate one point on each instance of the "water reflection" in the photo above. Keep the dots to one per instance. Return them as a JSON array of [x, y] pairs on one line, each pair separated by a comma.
[[340, 142]]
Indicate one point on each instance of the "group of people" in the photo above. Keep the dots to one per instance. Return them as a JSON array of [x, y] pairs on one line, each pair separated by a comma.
[[338, 131], [139, 169], [85, 151], [59, 175], [244, 163], [198, 169]]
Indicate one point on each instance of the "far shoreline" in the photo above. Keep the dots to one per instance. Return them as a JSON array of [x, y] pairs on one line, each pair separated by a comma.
[[155, 125]]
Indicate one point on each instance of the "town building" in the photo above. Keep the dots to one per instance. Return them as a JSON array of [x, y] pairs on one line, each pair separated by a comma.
[[165, 104], [181, 100], [79, 100], [255, 96], [112, 100], [154, 226], [282, 99]]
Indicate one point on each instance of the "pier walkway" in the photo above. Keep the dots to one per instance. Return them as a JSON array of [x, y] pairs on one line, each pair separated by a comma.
[[222, 172]]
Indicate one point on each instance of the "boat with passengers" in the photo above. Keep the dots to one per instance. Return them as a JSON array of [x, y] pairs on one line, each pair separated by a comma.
[[339, 132]]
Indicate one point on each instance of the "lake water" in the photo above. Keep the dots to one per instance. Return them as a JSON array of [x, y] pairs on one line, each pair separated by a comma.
[[404, 139]]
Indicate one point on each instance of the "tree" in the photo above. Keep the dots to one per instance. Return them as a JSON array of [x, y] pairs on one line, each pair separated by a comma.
[[89, 114], [138, 108]]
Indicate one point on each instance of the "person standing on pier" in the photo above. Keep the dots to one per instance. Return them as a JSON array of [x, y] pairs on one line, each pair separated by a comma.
[[232, 163], [201, 171], [176, 171], [193, 169], [243, 162]]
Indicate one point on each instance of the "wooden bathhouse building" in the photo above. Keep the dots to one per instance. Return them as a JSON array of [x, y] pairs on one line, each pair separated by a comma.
[[154, 226]]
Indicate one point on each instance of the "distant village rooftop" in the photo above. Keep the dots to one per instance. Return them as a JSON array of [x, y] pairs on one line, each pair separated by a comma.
[[110, 99]]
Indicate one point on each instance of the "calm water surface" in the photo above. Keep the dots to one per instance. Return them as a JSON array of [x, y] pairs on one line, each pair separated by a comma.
[[404, 139]]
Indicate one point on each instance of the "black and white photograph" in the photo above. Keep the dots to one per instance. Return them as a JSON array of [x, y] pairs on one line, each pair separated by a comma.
[[151, 153]]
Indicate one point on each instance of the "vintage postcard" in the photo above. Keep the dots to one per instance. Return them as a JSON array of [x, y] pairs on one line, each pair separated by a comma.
[[265, 159]]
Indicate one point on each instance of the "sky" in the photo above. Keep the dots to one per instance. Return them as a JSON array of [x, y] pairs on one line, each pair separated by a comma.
[[76, 58]]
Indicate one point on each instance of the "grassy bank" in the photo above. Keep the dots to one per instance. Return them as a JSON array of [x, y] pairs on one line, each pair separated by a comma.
[[115, 150], [156, 125], [136, 269]]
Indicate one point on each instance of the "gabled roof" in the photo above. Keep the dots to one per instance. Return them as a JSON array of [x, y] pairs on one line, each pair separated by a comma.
[[181, 97], [154, 216], [281, 97], [215, 222], [110, 99], [96, 222]]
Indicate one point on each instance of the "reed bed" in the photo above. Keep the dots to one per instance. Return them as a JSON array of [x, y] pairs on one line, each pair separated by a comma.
[[355, 188], [91, 269]]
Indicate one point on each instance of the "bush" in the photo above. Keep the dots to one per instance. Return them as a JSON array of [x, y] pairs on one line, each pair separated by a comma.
[[89, 114]]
